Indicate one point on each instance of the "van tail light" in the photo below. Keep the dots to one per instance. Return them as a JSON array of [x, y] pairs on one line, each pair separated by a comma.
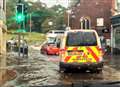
[[62, 54], [101, 52]]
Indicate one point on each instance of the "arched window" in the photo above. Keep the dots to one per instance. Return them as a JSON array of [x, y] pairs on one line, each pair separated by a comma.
[[85, 23]]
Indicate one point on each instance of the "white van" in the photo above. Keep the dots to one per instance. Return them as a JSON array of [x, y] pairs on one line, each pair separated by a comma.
[[81, 49]]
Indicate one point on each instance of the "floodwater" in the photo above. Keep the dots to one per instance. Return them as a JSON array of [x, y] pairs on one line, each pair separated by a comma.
[[38, 70]]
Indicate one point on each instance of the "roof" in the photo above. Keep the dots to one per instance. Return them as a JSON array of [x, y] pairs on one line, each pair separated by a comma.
[[81, 30]]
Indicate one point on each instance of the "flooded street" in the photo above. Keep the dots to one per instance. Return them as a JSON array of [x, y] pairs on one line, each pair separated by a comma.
[[34, 32], [38, 69]]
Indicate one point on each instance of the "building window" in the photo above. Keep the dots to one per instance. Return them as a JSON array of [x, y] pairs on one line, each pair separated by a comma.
[[118, 5], [85, 23]]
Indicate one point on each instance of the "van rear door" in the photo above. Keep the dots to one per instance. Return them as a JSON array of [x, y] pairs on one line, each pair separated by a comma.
[[81, 47]]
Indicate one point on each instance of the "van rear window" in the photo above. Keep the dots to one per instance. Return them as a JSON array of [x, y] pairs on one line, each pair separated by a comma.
[[81, 39]]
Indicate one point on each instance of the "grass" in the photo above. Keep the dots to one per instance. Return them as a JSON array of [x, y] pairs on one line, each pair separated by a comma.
[[31, 38]]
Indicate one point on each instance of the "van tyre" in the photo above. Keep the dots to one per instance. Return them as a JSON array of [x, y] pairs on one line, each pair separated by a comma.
[[61, 68], [96, 71]]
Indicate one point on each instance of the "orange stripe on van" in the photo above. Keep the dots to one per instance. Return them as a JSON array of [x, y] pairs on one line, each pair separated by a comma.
[[65, 48], [67, 58], [98, 48], [93, 54], [75, 48]]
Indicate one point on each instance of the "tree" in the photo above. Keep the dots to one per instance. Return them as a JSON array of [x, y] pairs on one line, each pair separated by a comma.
[[10, 14], [74, 2], [40, 15], [57, 17]]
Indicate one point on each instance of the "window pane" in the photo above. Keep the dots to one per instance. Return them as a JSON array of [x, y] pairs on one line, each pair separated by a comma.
[[81, 39]]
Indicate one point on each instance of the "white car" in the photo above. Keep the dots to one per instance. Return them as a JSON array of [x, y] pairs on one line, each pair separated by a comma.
[[55, 33]]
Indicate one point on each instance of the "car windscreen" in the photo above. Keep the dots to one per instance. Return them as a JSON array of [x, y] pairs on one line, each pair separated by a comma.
[[51, 40], [81, 39]]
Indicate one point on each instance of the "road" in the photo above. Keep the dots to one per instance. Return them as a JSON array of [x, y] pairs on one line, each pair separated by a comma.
[[40, 69]]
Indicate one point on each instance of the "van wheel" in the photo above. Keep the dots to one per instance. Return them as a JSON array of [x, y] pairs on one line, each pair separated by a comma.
[[99, 71], [61, 68], [96, 71]]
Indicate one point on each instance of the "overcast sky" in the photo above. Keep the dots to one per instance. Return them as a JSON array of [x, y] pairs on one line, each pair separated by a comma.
[[54, 2]]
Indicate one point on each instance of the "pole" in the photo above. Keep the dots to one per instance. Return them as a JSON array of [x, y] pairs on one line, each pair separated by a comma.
[[30, 23], [23, 46], [68, 15], [68, 19], [19, 44]]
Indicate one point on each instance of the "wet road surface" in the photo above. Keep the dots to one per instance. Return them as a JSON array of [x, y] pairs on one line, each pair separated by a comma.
[[40, 69]]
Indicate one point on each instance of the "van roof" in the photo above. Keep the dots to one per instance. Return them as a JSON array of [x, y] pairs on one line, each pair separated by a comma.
[[81, 30], [56, 30]]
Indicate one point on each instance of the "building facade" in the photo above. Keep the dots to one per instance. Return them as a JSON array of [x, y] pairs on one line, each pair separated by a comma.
[[3, 31], [92, 14], [115, 31]]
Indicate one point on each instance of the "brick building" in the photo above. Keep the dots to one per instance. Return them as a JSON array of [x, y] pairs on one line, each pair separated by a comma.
[[92, 14]]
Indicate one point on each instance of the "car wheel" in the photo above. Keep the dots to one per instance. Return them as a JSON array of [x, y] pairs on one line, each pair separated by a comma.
[[41, 51], [45, 52]]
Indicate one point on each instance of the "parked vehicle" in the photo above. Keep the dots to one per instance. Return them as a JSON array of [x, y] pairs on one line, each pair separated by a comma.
[[51, 46], [55, 33]]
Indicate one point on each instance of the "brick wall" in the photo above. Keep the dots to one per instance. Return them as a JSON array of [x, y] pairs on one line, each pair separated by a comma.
[[93, 9]]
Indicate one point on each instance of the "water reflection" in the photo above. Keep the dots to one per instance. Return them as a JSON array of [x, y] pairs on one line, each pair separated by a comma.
[[42, 70], [2, 68], [6, 73]]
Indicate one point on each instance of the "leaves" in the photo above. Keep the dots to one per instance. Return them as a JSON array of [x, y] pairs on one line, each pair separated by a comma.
[[40, 15]]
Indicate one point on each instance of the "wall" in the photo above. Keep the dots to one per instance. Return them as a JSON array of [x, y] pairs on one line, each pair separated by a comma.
[[92, 9]]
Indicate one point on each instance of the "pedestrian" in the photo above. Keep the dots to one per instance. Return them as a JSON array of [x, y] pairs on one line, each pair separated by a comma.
[[25, 48]]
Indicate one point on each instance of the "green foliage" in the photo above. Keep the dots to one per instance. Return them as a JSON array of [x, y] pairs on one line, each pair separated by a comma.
[[40, 16], [10, 13], [30, 37], [74, 2], [57, 17]]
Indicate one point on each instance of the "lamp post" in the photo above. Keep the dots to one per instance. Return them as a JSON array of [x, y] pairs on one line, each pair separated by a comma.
[[68, 20], [50, 23], [30, 22], [68, 17], [68, 14]]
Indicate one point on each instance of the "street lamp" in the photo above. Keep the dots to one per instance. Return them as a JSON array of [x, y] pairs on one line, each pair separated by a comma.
[[50, 23], [30, 22], [68, 17]]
